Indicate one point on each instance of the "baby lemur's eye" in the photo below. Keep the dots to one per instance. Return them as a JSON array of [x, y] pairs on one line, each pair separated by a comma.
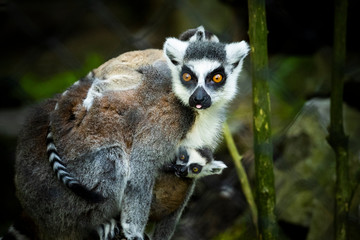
[[195, 168], [186, 77], [217, 78], [182, 157]]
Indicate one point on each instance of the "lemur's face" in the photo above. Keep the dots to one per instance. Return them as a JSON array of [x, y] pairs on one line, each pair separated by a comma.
[[196, 163], [204, 73]]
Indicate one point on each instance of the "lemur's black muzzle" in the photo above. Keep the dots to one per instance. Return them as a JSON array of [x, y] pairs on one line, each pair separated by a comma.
[[181, 170], [200, 99]]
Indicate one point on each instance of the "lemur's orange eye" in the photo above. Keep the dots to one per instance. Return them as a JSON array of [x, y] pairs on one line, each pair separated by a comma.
[[195, 169], [186, 77], [217, 78], [182, 157]]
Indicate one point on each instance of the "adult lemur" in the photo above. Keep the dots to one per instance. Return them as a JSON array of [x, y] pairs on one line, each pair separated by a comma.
[[116, 141]]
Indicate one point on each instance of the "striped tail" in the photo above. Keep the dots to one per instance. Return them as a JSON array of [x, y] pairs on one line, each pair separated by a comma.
[[65, 177]]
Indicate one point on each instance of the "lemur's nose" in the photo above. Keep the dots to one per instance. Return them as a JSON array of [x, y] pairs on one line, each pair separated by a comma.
[[199, 95], [200, 99], [183, 171]]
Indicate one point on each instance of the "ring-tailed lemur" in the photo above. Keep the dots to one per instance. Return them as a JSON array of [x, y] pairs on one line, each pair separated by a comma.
[[181, 168], [59, 167], [117, 142]]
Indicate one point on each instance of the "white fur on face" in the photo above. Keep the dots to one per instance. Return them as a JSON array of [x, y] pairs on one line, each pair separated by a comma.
[[208, 168], [175, 49], [235, 53], [194, 157], [200, 68]]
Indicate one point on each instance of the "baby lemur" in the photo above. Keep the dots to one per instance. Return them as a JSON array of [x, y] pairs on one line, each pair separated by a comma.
[[179, 178], [116, 128]]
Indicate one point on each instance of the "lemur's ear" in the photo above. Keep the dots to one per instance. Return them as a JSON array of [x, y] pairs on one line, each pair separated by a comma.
[[202, 35], [174, 50], [217, 167], [236, 52], [199, 34]]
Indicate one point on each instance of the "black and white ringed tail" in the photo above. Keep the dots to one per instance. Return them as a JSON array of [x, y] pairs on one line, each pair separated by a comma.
[[64, 176]]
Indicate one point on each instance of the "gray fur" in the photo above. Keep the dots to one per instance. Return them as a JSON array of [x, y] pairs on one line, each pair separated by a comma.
[[205, 49]]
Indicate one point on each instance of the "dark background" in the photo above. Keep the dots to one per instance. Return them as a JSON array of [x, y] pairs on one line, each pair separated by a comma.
[[45, 46]]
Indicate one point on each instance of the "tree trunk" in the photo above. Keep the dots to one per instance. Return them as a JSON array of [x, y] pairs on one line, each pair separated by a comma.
[[337, 138], [264, 174]]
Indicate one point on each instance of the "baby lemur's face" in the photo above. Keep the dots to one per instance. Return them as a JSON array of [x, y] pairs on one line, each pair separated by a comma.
[[196, 163]]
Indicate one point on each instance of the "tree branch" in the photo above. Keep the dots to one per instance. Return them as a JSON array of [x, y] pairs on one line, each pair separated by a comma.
[[241, 174]]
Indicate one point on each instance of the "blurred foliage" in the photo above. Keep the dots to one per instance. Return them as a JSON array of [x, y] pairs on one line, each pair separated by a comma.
[[290, 71], [304, 162], [38, 87], [239, 230], [292, 80]]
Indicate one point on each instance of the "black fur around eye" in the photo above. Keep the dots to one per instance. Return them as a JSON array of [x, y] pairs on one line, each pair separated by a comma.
[[187, 77], [195, 168], [216, 78], [183, 155]]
